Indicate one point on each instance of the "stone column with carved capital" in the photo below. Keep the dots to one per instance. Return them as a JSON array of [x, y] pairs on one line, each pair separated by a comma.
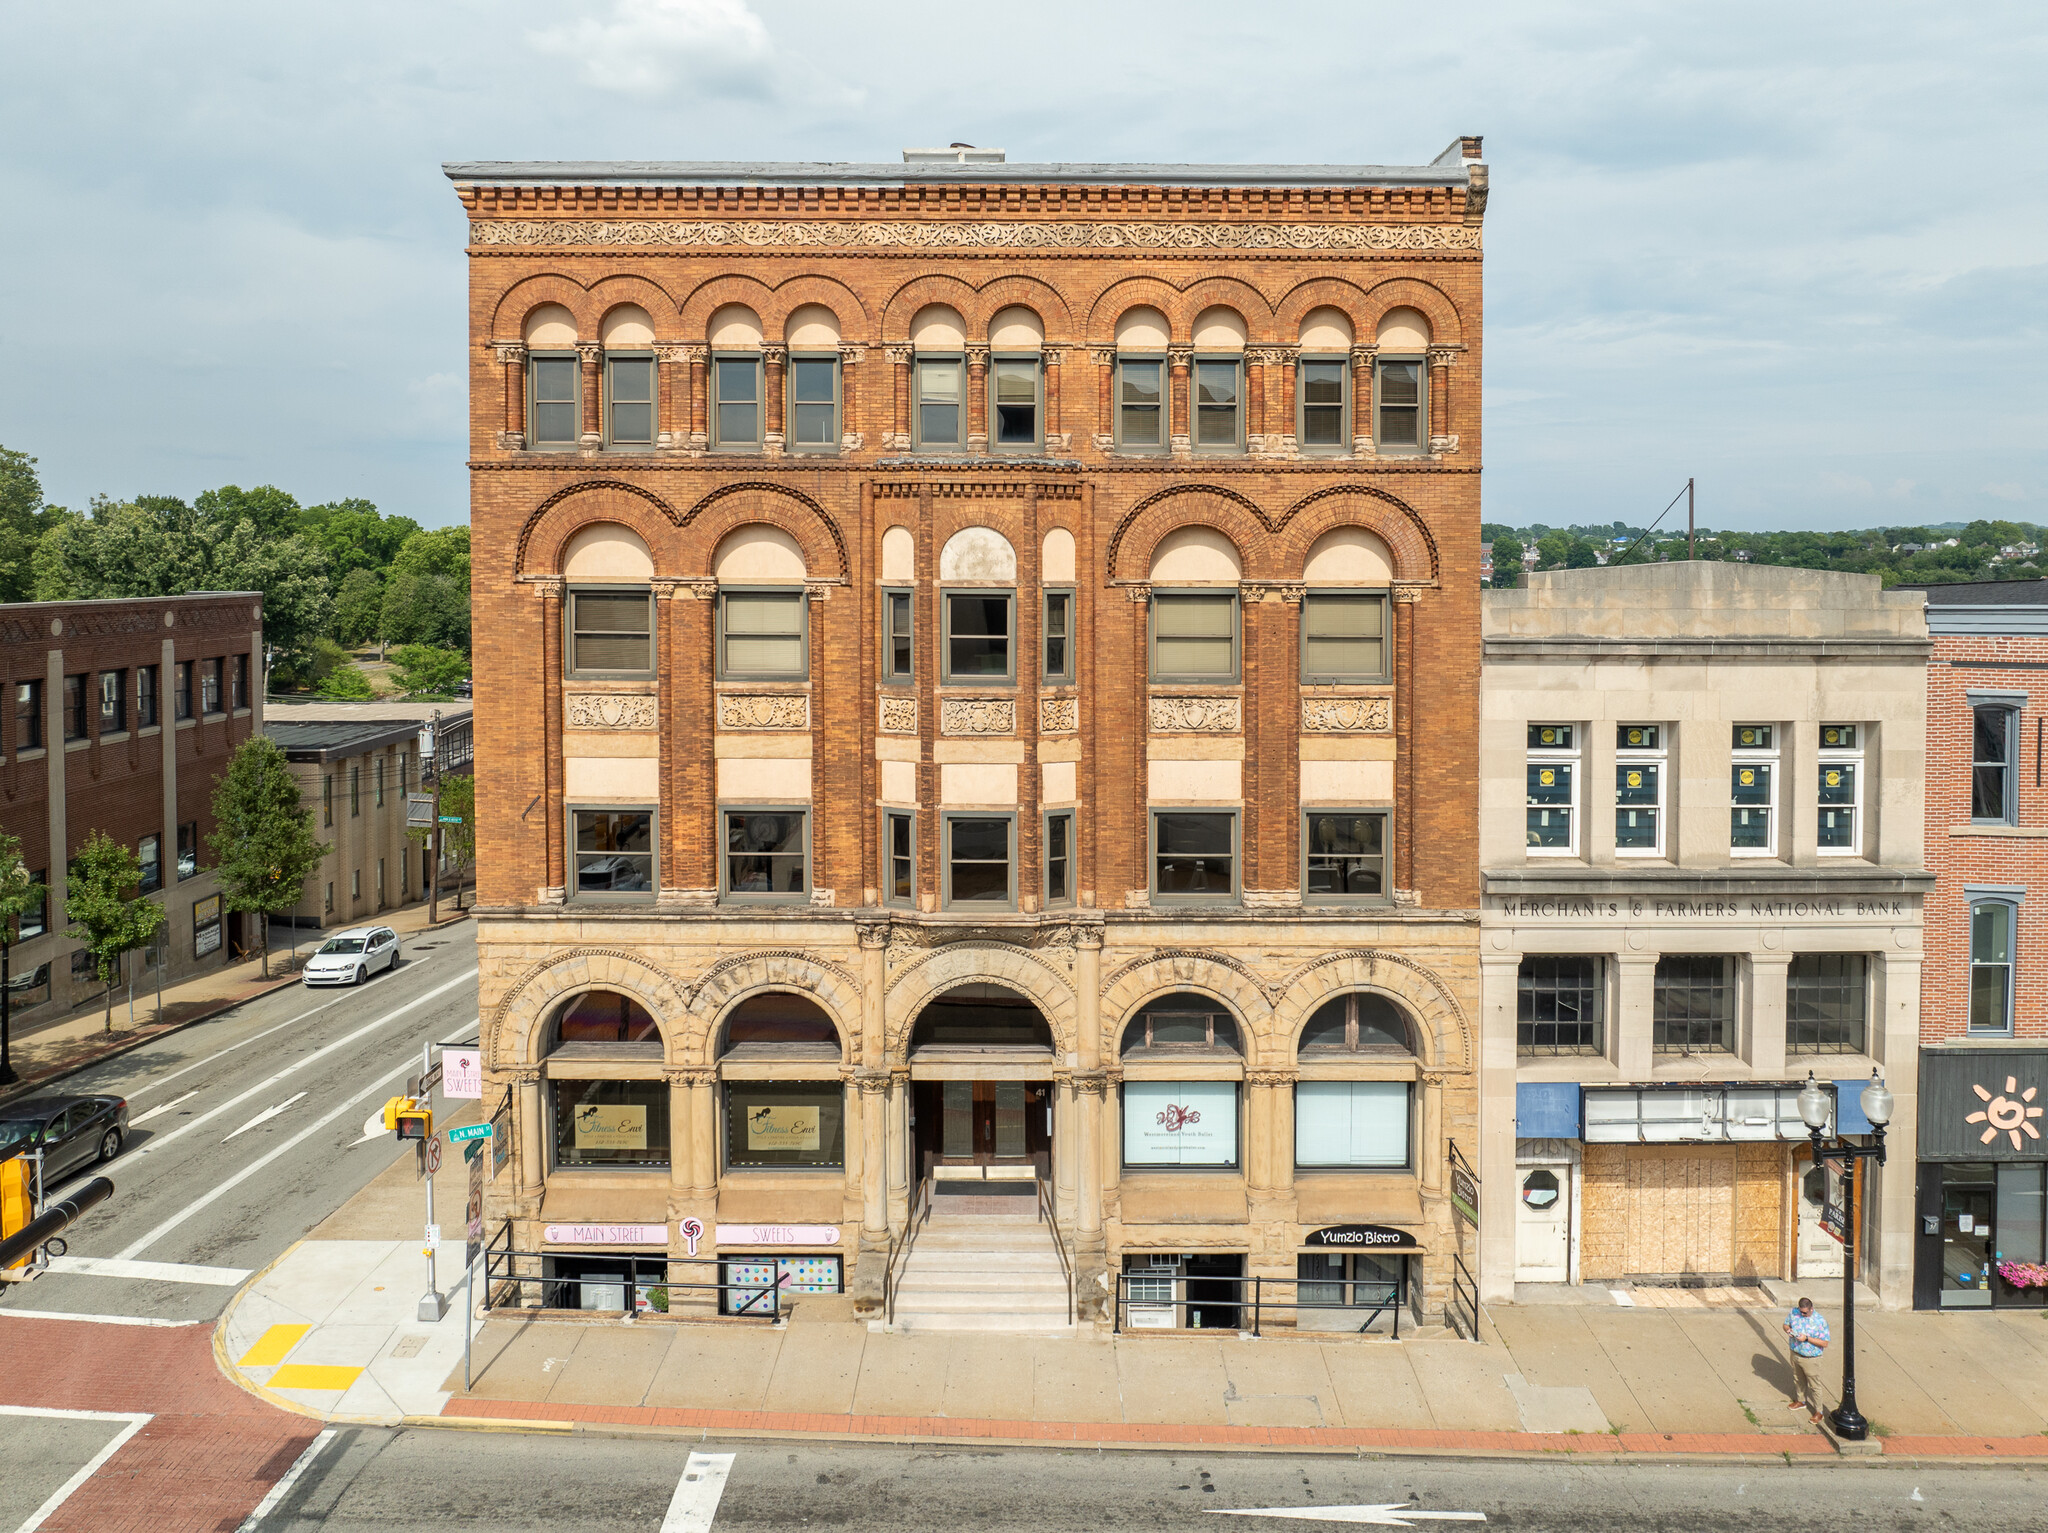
[[672, 364], [512, 357], [1049, 364], [592, 353], [977, 399], [1180, 362], [774, 364], [1104, 358], [530, 1130], [850, 434], [550, 589], [700, 397], [898, 439], [1361, 400], [1441, 437], [1287, 364]]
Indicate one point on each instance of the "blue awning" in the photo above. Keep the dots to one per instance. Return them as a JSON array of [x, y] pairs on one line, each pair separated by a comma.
[[1547, 1110], [1849, 1117]]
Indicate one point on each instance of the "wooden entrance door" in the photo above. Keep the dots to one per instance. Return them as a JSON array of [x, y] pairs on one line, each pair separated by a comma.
[[984, 1123]]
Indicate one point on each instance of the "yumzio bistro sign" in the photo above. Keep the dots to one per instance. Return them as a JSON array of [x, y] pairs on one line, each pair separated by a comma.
[[1819, 907], [1984, 1104], [1360, 1237]]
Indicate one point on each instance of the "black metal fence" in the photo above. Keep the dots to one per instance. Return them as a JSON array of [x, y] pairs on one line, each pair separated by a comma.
[[518, 1280], [1146, 1299], [1461, 1313]]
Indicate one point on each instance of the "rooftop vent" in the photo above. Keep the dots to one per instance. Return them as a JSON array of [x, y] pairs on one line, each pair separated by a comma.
[[956, 154]]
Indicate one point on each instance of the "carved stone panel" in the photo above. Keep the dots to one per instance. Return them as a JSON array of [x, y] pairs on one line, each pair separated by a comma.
[[763, 710], [599, 710], [1059, 715], [977, 716], [1197, 715], [897, 715], [1347, 715], [946, 234]]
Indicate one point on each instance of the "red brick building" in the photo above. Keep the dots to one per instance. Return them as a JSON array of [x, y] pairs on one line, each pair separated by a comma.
[[976, 685], [117, 716], [1983, 1146]]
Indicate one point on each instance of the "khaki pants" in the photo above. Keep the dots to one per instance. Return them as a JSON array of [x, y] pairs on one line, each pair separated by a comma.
[[1806, 1382]]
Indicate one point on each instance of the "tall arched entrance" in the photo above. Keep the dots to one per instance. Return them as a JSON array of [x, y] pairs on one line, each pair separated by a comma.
[[981, 1060]]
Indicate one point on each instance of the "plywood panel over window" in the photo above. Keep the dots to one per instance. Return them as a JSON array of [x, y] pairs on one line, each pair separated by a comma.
[[1681, 1214]]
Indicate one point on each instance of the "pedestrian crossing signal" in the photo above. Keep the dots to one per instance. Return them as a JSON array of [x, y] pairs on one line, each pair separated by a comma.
[[407, 1119]]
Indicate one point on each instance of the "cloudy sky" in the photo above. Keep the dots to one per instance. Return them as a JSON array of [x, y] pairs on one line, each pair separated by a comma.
[[1797, 250]]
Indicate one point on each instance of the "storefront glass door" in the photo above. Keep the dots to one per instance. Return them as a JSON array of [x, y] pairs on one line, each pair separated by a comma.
[[1968, 1193], [987, 1123]]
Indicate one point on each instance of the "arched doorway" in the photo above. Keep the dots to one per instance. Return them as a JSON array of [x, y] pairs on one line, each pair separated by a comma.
[[981, 1060]]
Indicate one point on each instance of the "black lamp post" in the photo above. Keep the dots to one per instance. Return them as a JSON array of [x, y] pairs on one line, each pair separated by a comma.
[[1814, 1106]]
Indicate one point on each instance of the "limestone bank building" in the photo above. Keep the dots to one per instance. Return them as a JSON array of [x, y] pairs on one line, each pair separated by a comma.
[[1701, 841], [977, 676]]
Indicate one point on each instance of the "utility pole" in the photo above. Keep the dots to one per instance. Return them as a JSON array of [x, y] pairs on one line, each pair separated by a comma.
[[1688, 519], [7, 1073]]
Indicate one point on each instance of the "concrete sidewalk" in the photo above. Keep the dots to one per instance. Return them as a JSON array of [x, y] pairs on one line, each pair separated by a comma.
[[49, 1051], [330, 1331]]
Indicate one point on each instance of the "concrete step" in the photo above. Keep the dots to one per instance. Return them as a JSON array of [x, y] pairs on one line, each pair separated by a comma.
[[912, 1290], [978, 1300], [992, 1279], [1034, 1324]]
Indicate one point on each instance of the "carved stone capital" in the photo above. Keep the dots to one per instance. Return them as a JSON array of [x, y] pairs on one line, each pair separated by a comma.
[[850, 356], [1091, 1083], [1347, 715], [600, 710], [1180, 356], [519, 1075], [1288, 591], [1361, 356], [1102, 356], [510, 352], [872, 1083], [548, 585], [592, 352], [1139, 592], [977, 716], [900, 355], [1407, 594], [698, 590], [1059, 715], [977, 356], [1268, 1078], [1195, 715], [689, 1076], [1088, 937], [818, 590], [697, 353], [673, 351], [896, 715], [666, 587], [1443, 356], [1049, 356], [775, 356], [751, 711], [874, 935]]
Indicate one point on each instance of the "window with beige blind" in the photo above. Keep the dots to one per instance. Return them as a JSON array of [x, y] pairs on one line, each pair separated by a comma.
[[1343, 637], [1194, 636], [762, 635], [611, 633]]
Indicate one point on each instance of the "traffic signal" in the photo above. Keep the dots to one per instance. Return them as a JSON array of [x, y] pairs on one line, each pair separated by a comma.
[[407, 1119]]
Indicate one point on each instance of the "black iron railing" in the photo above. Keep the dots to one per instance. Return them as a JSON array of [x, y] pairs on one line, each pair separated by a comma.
[[1461, 1313], [1051, 1221], [900, 1244], [514, 1280], [1337, 1305]]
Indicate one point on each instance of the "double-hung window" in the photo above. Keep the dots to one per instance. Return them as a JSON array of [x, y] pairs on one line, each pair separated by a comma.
[[1753, 791], [1194, 855], [77, 722], [1141, 404], [145, 698], [113, 702], [979, 860], [1344, 855], [1991, 964], [149, 853], [1552, 772], [1343, 637], [1194, 636], [1059, 857], [941, 392], [1014, 404], [1840, 791], [629, 400], [1693, 1004], [1558, 1005], [611, 632], [814, 403], [899, 857], [1322, 387], [183, 700], [554, 381], [977, 639], [188, 848], [1639, 761], [238, 679], [1825, 1009], [1994, 786], [763, 635], [209, 687], [898, 636], [736, 403], [1059, 636], [1219, 422], [28, 715], [767, 854], [1399, 425], [614, 851]]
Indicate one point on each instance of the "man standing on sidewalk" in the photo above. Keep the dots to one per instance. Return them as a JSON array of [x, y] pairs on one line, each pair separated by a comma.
[[1808, 1329]]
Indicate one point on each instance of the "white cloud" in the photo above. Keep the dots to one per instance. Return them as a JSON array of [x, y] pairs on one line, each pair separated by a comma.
[[2006, 491], [651, 46]]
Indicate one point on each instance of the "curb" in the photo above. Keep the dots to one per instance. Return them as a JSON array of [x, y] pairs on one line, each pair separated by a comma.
[[28, 1086]]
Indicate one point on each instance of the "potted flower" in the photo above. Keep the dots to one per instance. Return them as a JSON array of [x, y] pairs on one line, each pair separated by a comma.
[[2024, 1274]]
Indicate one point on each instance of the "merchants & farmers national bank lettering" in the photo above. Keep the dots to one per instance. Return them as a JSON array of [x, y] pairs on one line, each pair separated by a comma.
[[1693, 910]]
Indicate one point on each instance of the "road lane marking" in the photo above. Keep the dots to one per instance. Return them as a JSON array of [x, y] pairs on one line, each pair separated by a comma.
[[272, 1345], [698, 1492], [136, 1420], [222, 1189], [162, 1107], [59, 1314], [150, 1272], [266, 1115], [299, 1064], [1394, 1514], [283, 1487]]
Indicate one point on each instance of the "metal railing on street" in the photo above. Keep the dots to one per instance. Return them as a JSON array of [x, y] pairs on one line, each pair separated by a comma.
[[1461, 1313], [1165, 1301], [1051, 1221], [514, 1280], [900, 1244]]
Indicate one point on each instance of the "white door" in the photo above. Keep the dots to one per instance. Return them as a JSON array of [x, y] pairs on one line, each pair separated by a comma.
[[1543, 1224], [1820, 1254]]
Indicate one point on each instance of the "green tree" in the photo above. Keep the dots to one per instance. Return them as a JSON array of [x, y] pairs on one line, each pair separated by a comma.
[[1507, 561], [423, 671], [354, 536], [346, 683], [1552, 549], [1580, 554], [275, 513], [23, 520], [359, 606], [107, 913], [263, 843], [20, 891], [458, 841]]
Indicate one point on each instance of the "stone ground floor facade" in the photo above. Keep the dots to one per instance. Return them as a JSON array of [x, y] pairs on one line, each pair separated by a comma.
[[1235, 1094]]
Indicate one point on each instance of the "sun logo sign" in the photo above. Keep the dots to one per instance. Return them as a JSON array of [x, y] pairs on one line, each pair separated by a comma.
[[2006, 1114]]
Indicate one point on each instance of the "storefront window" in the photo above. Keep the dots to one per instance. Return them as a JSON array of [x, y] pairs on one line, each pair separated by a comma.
[[611, 1123], [764, 1285], [1349, 1279], [787, 1125], [602, 1016], [1180, 1123], [1352, 1123]]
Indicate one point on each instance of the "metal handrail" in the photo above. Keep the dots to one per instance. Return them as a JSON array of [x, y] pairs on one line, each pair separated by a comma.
[[899, 1246], [1059, 1244], [501, 1282], [1464, 1292], [1251, 1295]]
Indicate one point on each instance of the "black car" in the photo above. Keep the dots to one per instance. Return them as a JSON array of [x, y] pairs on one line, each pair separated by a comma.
[[74, 1132]]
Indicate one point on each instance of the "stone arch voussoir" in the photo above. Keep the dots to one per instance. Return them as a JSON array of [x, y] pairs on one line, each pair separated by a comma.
[[725, 984], [735, 505], [516, 1023], [1213, 974], [922, 981], [1139, 531], [558, 518], [1392, 520], [1444, 1031]]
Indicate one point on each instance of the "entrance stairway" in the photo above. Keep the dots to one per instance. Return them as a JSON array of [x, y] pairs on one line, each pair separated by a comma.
[[983, 1261]]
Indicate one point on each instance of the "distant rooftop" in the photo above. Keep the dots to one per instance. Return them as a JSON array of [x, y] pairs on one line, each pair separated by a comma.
[[1980, 593], [332, 742]]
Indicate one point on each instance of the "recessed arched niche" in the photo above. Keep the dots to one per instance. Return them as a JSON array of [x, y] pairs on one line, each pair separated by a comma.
[[1348, 556], [627, 328], [1326, 330], [936, 327], [1404, 330], [1141, 329], [899, 554], [606, 551], [550, 328], [978, 554], [1196, 556], [1056, 563], [1016, 329], [1219, 329], [813, 327], [735, 327], [758, 554]]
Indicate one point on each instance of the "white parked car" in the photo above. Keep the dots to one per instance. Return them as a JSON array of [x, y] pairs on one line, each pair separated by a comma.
[[352, 956]]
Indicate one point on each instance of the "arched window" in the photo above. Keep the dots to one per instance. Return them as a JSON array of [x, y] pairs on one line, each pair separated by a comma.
[[981, 1017], [1141, 402], [1357, 1023], [939, 340], [813, 379], [1183, 1022], [602, 1017], [736, 392], [1218, 424], [628, 336], [1400, 370], [554, 376], [778, 1025]]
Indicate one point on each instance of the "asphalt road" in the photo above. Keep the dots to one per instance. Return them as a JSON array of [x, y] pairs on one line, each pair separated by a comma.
[[247, 1131], [366, 1480]]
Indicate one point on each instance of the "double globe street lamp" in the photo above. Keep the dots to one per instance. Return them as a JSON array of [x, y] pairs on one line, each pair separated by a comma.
[[1815, 1108]]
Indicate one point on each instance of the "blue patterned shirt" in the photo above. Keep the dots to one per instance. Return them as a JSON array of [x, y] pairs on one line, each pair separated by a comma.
[[1808, 1332]]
